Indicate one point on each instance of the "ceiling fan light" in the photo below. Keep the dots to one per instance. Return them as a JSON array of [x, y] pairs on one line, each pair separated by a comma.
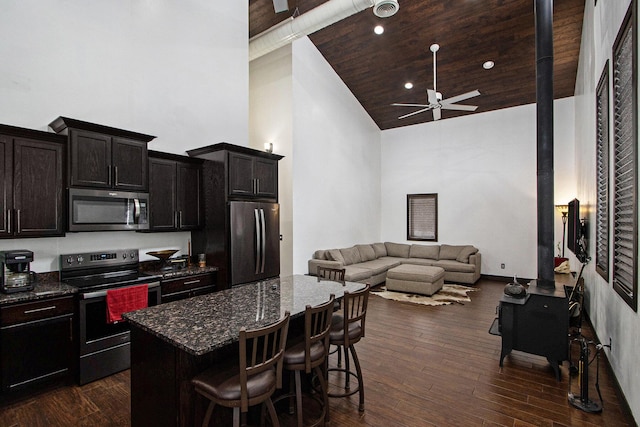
[[385, 8]]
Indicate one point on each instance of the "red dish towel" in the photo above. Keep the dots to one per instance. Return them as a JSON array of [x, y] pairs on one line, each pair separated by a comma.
[[123, 300]]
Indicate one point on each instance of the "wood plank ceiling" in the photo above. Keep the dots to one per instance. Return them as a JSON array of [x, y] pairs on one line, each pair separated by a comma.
[[469, 32]]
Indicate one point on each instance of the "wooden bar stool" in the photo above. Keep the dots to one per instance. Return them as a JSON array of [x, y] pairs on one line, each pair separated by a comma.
[[352, 320], [253, 379], [310, 355]]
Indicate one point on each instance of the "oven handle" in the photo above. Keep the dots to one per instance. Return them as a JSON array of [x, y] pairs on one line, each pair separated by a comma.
[[100, 294]]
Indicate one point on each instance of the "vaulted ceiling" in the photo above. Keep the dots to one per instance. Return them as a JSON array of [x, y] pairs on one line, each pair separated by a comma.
[[469, 32]]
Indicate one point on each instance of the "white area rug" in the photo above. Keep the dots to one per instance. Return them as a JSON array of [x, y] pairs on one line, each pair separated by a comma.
[[449, 294]]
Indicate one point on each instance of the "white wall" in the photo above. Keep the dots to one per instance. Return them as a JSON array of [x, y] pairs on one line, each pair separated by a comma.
[[174, 69], [336, 173], [609, 314], [270, 120], [483, 167]]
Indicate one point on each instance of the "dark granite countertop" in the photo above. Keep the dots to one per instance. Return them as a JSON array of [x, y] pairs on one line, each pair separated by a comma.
[[41, 290], [202, 324], [181, 272]]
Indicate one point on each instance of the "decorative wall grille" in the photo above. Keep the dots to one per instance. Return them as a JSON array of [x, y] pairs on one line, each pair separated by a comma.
[[625, 140], [602, 174], [422, 217]]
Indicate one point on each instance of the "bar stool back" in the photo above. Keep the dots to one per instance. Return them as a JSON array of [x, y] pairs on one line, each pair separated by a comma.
[[254, 379]]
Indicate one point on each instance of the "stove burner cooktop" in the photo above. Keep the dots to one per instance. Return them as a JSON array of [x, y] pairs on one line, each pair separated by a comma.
[[103, 270]]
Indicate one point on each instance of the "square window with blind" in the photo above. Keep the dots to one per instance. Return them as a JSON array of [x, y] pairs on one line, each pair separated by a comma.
[[602, 174], [422, 217], [625, 162]]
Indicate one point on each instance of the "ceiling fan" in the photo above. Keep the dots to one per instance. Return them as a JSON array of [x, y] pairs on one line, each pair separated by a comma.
[[436, 103], [280, 5]]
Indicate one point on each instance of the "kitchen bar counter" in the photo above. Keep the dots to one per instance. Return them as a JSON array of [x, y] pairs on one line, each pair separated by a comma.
[[41, 290], [173, 342]]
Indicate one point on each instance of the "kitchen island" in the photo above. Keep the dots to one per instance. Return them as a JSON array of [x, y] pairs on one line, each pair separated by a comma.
[[171, 343]]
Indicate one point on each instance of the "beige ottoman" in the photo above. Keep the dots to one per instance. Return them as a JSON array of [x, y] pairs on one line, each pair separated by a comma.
[[416, 279]]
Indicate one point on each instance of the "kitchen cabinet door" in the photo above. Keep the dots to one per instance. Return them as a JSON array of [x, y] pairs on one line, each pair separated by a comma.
[[162, 195], [6, 184], [174, 193], [266, 177], [241, 182], [129, 164], [36, 342], [188, 196], [38, 185], [90, 159]]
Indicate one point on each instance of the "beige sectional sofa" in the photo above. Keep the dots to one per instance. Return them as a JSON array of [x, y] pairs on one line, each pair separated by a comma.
[[369, 263]]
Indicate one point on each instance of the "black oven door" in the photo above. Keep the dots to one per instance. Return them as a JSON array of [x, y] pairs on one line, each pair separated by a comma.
[[95, 333], [104, 347]]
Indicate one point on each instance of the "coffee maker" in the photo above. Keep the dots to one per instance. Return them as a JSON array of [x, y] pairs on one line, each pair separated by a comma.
[[16, 273]]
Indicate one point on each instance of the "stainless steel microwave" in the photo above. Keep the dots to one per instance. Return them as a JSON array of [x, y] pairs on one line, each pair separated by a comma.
[[107, 210]]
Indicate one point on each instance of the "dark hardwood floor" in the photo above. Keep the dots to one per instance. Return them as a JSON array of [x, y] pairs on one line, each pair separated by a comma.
[[423, 366]]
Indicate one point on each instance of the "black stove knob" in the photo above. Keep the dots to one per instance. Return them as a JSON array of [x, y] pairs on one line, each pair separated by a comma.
[[80, 259], [69, 260], [124, 255], [132, 255]]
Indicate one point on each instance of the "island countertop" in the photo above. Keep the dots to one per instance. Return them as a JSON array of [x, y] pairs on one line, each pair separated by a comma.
[[205, 323]]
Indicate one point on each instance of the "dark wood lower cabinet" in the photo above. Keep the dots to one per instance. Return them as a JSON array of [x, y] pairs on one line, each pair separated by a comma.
[[187, 286], [537, 325], [36, 343]]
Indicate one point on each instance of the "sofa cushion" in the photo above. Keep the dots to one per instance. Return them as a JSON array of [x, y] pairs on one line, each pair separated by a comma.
[[335, 255], [425, 251], [380, 249], [320, 254], [450, 252], [379, 266], [465, 253], [354, 273], [366, 252], [351, 255], [398, 249], [455, 266], [420, 261]]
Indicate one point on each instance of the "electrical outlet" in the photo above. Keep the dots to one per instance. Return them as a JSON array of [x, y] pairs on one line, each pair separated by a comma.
[[502, 266]]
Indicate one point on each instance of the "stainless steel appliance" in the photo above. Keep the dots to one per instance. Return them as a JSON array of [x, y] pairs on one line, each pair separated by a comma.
[[254, 241], [16, 273], [107, 210], [104, 348]]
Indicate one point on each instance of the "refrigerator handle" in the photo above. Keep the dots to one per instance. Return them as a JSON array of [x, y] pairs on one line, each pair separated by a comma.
[[264, 238], [258, 239]]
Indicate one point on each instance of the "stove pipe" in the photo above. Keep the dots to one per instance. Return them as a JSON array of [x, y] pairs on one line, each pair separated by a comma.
[[544, 127]]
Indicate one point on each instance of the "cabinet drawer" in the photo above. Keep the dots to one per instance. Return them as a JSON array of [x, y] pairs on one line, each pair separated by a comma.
[[30, 311], [186, 283]]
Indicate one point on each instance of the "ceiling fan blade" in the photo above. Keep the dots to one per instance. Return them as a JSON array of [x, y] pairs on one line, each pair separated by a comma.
[[462, 97], [410, 105], [280, 5], [460, 107], [437, 114], [432, 97], [415, 112]]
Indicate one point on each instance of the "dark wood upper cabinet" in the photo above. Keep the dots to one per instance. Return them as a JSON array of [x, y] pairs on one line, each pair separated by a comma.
[[105, 157], [175, 192], [32, 183], [250, 174]]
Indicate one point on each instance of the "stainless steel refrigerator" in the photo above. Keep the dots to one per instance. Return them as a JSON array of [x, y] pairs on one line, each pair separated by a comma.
[[254, 241]]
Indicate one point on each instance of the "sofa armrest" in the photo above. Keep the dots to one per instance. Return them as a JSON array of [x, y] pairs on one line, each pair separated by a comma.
[[476, 260], [315, 263]]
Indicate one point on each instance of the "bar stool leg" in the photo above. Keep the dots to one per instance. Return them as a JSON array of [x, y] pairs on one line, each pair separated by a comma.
[[360, 381]]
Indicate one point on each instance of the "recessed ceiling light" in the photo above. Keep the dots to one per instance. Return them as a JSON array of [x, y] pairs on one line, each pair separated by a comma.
[[408, 85], [379, 29], [488, 65]]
